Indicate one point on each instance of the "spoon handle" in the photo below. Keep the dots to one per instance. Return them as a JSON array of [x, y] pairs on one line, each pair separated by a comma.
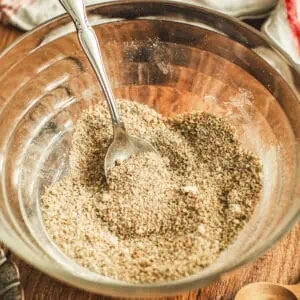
[[90, 46]]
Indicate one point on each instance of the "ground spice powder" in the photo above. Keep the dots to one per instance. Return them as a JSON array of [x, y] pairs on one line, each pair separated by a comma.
[[159, 217]]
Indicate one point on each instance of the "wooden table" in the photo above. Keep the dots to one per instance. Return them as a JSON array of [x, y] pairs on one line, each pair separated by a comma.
[[281, 264]]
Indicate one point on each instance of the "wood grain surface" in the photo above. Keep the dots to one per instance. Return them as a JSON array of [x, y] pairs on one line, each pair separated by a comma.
[[8, 34], [281, 264]]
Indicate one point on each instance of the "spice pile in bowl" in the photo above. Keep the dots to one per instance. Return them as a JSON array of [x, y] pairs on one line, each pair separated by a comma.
[[158, 217]]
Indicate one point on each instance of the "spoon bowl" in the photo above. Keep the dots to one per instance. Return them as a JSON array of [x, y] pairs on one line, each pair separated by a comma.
[[268, 291], [123, 146]]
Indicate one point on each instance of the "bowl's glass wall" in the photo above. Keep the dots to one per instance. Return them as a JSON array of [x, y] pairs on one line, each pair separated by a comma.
[[175, 59]]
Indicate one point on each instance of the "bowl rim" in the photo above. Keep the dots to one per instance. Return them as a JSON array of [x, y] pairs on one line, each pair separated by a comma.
[[120, 288]]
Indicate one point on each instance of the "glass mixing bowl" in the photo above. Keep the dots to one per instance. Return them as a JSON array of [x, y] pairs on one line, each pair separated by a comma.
[[175, 57]]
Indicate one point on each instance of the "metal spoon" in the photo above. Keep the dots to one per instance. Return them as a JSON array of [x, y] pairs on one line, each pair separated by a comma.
[[123, 145], [267, 290]]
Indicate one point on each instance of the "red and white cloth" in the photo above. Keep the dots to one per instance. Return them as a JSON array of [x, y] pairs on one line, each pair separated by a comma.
[[282, 27]]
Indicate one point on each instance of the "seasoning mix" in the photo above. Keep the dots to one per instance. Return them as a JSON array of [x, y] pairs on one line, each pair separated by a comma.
[[158, 217]]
